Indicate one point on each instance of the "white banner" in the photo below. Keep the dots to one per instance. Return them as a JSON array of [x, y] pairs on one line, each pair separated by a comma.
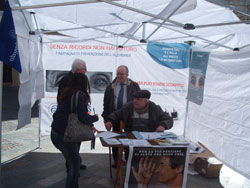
[[167, 85]]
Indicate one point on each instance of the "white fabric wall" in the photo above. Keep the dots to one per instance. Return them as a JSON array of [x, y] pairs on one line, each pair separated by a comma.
[[222, 123], [31, 79]]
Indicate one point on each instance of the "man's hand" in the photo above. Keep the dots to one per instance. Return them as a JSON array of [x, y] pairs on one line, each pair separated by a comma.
[[160, 128], [145, 171], [108, 125], [95, 129]]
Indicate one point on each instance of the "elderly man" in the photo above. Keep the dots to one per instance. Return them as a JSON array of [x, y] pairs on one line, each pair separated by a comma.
[[118, 93], [78, 66], [141, 115]]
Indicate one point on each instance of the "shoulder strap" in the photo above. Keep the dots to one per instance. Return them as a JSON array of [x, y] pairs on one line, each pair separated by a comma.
[[72, 106]]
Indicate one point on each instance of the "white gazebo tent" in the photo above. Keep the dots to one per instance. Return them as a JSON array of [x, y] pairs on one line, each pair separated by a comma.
[[220, 122]]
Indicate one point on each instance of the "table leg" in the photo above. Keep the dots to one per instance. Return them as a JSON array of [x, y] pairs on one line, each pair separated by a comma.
[[110, 164], [119, 168]]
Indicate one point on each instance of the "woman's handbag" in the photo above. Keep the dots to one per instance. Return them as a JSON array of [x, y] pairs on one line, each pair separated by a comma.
[[76, 131]]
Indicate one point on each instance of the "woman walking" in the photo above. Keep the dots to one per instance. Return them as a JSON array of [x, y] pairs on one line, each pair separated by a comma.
[[70, 150]]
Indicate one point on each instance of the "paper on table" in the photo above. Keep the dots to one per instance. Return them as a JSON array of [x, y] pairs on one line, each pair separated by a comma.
[[157, 135], [179, 141], [141, 142], [150, 135], [126, 141], [134, 142], [107, 134], [165, 135], [111, 141]]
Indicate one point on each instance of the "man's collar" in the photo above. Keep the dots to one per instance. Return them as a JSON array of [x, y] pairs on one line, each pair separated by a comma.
[[125, 83]]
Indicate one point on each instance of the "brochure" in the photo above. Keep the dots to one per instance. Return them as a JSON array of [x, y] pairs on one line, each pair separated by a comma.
[[111, 141]]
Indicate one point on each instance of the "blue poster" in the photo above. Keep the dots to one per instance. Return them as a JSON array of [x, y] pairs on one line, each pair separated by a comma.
[[197, 75], [171, 55]]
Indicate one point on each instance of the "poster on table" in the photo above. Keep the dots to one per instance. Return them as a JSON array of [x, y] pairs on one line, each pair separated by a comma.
[[157, 167], [197, 76], [147, 64]]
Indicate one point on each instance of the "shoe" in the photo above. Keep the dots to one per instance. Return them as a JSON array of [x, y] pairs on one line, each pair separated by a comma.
[[83, 167], [114, 165]]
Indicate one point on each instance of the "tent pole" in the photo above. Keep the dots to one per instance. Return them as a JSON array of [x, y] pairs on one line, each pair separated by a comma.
[[187, 105], [142, 12], [159, 26], [76, 28], [1, 95], [57, 4], [195, 36], [231, 35], [23, 16], [132, 34], [245, 46], [105, 31], [222, 24], [40, 59], [39, 125]]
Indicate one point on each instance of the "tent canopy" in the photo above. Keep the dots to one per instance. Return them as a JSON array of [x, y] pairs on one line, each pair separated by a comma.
[[160, 20]]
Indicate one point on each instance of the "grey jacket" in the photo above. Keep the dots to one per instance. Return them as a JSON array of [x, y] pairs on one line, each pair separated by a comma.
[[157, 116]]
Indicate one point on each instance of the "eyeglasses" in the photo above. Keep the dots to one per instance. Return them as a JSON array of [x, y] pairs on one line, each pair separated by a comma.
[[120, 74]]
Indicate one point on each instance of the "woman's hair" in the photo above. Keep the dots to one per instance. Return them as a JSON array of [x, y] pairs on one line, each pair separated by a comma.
[[78, 82]]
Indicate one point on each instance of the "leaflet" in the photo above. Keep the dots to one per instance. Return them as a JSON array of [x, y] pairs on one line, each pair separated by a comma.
[[179, 141], [111, 141], [153, 135], [107, 134], [134, 142]]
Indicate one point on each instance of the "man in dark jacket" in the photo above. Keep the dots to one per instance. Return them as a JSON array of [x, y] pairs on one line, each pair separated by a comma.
[[78, 66], [141, 115], [118, 93]]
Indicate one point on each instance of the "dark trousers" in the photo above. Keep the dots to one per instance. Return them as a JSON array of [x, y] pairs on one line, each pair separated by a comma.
[[66, 163], [70, 151]]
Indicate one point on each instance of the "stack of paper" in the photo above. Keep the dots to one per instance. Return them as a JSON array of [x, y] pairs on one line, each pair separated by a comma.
[[134, 142], [111, 141], [153, 135], [107, 134], [179, 141]]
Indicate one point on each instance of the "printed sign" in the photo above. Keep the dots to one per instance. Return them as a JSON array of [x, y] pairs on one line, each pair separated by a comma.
[[198, 69], [157, 167], [172, 55]]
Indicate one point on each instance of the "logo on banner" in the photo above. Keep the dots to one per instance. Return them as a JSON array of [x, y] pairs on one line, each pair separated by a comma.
[[52, 108], [172, 55]]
